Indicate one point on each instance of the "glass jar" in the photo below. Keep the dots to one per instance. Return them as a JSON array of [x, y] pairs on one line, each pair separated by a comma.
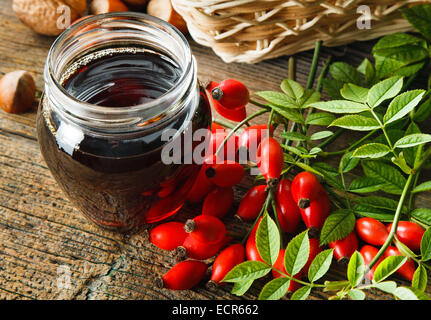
[[113, 84]]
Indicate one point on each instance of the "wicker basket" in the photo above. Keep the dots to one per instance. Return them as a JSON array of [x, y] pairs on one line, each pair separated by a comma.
[[253, 30]]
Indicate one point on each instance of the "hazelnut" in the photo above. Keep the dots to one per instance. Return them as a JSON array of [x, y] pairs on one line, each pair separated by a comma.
[[17, 91], [164, 10], [44, 16], [106, 6]]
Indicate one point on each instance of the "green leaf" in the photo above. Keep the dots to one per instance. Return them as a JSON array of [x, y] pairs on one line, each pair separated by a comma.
[[325, 168], [275, 289], [356, 294], [319, 118], [420, 278], [404, 293], [332, 87], [340, 106], [337, 226], [392, 178], [423, 111], [409, 70], [405, 251], [380, 202], [410, 153], [315, 151], [347, 162], [239, 288], [371, 150], [321, 135], [365, 185], [384, 90], [289, 114], [423, 215], [268, 240], [386, 286], [344, 72], [426, 186], [355, 93], [426, 245], [364, 210], [246, 271], [292, 88], [356, 123], [397, 40], [320, 265], [402, 105], [413, 140], [294, 136], [419, 16], [367, 69], [388, 266], [310, 96], [355, 268], [297, 252], [301, 294], [277, 98]]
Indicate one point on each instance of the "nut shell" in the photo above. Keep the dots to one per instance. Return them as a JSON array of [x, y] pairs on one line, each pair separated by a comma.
[[17, 91], [42, 16]]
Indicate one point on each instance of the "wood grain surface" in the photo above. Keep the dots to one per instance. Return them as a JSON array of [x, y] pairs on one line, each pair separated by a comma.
[[43, 238]]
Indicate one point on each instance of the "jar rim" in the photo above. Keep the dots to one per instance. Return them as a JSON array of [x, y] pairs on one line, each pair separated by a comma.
[[112, 113]]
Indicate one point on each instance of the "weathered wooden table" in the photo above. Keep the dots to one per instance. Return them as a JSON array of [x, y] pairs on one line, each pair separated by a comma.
[[44, 240]]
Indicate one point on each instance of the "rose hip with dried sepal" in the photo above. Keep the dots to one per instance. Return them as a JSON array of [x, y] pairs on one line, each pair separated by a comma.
[[231, 94], [225, 174], [305, 189], [193, 249], [183, 276], [344, 248], [270, 159], [288, 212], [225, 262], [168, 236], [206, 229]]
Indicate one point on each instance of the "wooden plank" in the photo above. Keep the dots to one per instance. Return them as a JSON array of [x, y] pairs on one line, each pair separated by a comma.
[[42, 237]]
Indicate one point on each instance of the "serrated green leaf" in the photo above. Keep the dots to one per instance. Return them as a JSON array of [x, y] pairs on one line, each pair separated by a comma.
[[364, 210], [319, 118], [347, 162], [320, 265], [275, 289], [314, 151], [326, 168], [340, 106], [306, 167], [337, 226], [356, 123], [296, 254], [384, 90], [268, 240], [419, 16], [289, 114], [301, 294], [356, 294], [388, 266], [380, 202], [310, 96], [321, 135], [410, 153], [404, 293], [397, 40], [386, 286], [246, 271], [408, 70], [371, 150], [344, 72], [294, 136], [423, 111], [355, 93], [239, 288], [332, 87], [420, 278], [423, 215], [426, 186], [292, 88], [277, 98], [355, 268], [402, 105], [392, 178], [413, 140], [335, 285], [367, 69], [365, 185], [426, 245], [405, 251]]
